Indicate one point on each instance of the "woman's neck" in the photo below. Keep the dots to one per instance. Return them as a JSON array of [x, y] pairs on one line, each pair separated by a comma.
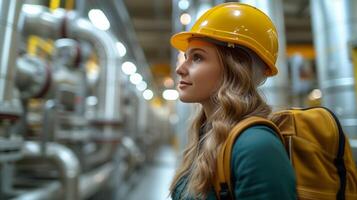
[[208, 108]]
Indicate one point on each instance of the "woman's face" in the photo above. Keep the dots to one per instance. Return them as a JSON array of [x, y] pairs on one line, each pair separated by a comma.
[[200, 74]]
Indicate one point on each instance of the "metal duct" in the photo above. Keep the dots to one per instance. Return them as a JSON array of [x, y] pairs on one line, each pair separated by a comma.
[[39, 21], [65, 160], [334, 27], [9, 104], [89, 184], [276, 89]]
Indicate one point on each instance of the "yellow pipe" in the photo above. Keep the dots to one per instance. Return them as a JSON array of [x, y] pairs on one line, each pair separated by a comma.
[[69, 5], [32, 43], [54, 4], [307, 51], [354, 61]]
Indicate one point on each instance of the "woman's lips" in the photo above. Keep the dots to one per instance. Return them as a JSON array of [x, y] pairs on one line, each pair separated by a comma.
[[183, 84]]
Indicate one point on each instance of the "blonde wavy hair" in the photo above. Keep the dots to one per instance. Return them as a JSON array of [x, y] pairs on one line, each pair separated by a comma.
[[236, 98]]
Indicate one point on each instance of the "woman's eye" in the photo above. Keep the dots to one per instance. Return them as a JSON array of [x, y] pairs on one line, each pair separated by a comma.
[[196, 58]]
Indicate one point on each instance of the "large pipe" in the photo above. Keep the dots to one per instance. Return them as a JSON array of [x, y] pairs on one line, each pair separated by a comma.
[[104, 153], [334, 27], [109, 91], [93, 181], [39, 21], [70, 54], [89, 184], [9, 103], [65, 160], [276, 89], [46, 192]]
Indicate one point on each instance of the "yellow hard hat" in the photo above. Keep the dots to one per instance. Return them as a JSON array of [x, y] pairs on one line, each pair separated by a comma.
[[236, 24]]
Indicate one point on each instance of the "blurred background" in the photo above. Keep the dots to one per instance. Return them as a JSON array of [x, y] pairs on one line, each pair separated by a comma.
[[88, 106]]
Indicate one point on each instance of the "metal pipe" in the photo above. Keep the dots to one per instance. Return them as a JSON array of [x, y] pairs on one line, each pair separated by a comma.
[[38, 20], [334, 27], [33, 77], [65, 160], [276, 89], [48, 191], [91, 182], [9, 102], [102, 155], [47, 133], [109, 81]]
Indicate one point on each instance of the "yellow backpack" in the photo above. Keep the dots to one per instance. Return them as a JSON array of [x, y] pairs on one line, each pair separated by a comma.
[[318, 150]]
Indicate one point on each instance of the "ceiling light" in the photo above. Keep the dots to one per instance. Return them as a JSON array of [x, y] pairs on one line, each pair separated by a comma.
[[92, 100], [128, 68], [99, 20], [170, 94], [148, 94], [168, 82], [183, 4], [135, 78], [141, 86], [315, 94], [185, 18], [121, 48]]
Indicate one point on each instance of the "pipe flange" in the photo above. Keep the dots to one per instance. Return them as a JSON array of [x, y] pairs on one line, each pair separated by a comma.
[[33, 77], [10, 149], [10, 110]]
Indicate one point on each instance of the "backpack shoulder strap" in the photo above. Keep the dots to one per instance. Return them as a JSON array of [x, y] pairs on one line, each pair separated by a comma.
[[222, 181]]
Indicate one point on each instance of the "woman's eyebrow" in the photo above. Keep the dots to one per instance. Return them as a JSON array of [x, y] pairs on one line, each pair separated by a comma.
[[190, 51]]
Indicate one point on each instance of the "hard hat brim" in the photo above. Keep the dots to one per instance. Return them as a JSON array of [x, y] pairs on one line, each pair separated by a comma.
[[180, 41]]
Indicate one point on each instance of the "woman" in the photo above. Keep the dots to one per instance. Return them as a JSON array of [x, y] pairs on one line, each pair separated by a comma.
[[229, 52]]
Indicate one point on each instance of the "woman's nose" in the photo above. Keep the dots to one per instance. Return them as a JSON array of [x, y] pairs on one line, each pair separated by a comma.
[[181, 69]]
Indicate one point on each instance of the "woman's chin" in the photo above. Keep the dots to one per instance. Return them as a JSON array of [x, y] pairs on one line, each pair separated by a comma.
[[186, 99]]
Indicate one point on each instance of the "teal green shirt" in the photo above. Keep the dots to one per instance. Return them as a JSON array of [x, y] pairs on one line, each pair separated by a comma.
[[260, 168]]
